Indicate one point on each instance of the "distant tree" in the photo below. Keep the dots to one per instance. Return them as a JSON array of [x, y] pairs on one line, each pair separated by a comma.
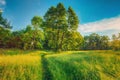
[[96, 42], [115, 43], [104, 42], [119, 36], [114, 37]]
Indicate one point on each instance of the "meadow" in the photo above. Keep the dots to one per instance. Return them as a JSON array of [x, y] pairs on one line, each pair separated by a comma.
[[68, 65]]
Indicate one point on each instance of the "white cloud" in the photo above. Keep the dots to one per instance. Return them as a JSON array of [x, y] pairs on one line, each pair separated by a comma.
[[2, 2], [112, 24]]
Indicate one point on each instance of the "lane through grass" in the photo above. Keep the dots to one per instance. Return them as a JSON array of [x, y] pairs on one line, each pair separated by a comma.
[[46, 73]]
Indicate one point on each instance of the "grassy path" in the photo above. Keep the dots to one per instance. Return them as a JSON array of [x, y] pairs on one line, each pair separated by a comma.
[[46, 72]]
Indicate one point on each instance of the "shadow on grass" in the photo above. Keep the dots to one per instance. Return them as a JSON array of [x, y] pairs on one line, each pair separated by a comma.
[[47, 75]]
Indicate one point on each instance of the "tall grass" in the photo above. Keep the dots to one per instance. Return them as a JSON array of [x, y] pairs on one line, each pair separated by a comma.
[[89, 65], [20, 67]]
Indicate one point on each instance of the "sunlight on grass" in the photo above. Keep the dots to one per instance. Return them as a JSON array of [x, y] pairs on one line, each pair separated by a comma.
[[20, 67], [85, 65], [19, 59]]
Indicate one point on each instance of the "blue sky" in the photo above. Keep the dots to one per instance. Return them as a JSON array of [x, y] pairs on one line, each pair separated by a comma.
[[90, 12]]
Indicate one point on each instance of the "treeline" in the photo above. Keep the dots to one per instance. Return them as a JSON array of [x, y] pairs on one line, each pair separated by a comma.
[[57, 31], [97, 42]]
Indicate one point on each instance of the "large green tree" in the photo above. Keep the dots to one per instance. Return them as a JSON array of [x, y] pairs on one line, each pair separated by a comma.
[[58, 23]]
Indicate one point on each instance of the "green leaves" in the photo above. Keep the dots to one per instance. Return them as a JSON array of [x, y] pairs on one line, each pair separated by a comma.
[[37, 21], [96, 42], [115, 43], [4, 22], [58, 22], [72, 20], [4, 36]]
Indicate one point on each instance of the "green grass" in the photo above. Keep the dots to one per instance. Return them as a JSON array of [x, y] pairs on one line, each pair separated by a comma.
[[69, 65], [89, 65], [14, 51], [21, 67]]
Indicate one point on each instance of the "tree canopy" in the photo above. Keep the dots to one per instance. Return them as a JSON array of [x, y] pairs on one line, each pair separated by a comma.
[[60, 25], [4, 22], [96, 42]]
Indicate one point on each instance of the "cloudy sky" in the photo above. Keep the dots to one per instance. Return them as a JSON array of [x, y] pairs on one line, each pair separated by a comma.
[[100, 16]]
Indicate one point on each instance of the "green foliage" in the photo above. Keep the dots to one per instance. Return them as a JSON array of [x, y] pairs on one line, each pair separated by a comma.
[[36, 22], [57, 31], [32, 38], [4, 22], [4, 37], [73, 21], [4, 32], [72, 41], [115, 43], [96, 42], [59, 26]]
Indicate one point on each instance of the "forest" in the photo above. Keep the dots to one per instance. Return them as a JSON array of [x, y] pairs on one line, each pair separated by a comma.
[[56, 31]]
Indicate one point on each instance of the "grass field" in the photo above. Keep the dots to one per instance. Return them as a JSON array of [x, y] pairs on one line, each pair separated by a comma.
[[70, 65]]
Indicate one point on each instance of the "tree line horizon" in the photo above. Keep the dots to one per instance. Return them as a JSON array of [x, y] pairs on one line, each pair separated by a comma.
[[56, 31]]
